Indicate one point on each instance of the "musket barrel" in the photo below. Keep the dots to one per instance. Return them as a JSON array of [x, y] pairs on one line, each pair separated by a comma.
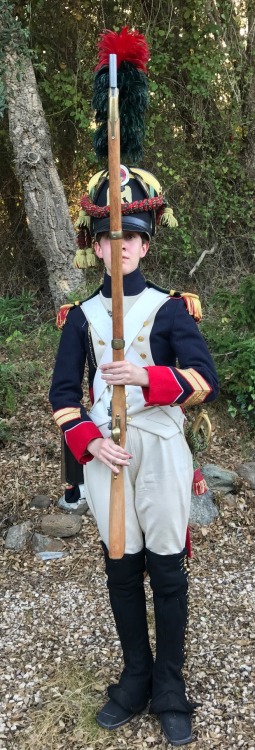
[[117, 499]]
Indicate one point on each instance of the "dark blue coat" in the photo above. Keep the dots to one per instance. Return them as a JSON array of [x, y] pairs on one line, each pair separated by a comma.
[[184, 372]]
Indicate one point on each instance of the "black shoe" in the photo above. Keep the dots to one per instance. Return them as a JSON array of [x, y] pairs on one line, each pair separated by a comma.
[[177, 727], [112, 716]]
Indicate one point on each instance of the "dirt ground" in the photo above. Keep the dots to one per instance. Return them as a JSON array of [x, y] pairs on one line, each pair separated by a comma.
[[59, 648]]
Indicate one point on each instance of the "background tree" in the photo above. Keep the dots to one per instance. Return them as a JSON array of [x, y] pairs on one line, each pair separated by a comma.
[[199, 137], [44, 197]]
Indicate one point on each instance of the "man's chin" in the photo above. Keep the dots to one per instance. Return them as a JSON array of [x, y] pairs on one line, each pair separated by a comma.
[[126, 268]]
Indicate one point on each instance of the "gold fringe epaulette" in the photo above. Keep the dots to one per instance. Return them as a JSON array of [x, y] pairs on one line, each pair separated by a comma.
[[192, 303], [63, 312]]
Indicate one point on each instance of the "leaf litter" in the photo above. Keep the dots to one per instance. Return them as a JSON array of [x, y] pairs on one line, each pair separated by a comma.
[[59, 648]]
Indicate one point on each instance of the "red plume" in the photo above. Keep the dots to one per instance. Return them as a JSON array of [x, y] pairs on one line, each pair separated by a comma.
[[128, 45]]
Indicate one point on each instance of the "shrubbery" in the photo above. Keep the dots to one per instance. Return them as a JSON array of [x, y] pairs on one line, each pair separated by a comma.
[[229, 329], [26, 342]]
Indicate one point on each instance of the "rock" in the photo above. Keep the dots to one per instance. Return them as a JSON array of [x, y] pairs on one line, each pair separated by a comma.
[[80, 508], [221, 480], [48, 555], [247, 472], [41, 543], [41, 501], [61, 525], [203, 510], [18, 535]]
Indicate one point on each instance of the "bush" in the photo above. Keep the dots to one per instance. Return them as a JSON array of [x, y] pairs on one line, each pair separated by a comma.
[[17, 315], [228, 330], [28, 345], [16, 379]]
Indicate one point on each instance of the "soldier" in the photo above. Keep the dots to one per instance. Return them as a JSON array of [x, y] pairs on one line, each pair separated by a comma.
[[167, 366]]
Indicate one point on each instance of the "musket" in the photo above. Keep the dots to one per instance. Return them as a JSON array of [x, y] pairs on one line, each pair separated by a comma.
[[118, 434]]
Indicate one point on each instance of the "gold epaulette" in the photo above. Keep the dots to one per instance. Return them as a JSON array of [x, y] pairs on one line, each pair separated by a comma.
[[192, 303], [63, 312]]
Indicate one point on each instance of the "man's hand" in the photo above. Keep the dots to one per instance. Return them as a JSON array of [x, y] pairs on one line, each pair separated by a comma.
[[124, 373], [109, 453]]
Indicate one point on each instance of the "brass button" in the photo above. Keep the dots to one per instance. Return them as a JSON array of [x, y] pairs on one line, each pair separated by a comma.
[[140, 338], [102, 343], [143, 356], [127, 405], [146, 323], [129, 419]]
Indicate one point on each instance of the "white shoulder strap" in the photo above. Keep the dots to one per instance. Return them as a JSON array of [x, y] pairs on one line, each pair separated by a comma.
[[98, 317]]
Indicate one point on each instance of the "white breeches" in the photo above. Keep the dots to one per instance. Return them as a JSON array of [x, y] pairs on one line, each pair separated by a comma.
[[157, 492]]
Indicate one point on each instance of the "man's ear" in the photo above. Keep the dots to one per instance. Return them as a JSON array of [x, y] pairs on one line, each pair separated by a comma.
[[98, 249], [144, 248]]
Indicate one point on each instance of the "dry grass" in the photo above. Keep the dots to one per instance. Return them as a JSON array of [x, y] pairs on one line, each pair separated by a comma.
[[67, 706]]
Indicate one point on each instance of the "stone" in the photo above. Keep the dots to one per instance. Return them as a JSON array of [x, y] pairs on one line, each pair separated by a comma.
[[41, 501], [203, 510], [247, 472], [61, 525], [220, 480], [51, 555], [41, 543], [18, 535], [80, 508]]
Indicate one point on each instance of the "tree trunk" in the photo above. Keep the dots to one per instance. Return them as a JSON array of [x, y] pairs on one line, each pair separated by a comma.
[[44, 198]]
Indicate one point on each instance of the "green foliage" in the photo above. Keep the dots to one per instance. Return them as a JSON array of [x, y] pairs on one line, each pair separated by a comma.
[[201, 79], [21, 325], [229, 330], [5, 433], [14, 38], [24, 339], [16, 315], [63, 96]]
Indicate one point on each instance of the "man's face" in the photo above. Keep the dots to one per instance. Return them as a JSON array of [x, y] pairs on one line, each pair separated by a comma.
[[133, 248]]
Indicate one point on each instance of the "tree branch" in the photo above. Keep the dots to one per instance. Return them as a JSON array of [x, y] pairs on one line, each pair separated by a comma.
[[201, 257]]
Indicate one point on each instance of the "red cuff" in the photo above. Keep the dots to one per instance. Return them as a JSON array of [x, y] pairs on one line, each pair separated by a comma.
[[78, 438], [163, 386]]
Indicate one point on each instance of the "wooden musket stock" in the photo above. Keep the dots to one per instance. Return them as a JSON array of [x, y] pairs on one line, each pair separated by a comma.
[[117, 499]]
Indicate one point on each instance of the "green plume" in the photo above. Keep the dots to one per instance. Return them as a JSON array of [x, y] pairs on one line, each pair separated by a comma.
[[133, 102]]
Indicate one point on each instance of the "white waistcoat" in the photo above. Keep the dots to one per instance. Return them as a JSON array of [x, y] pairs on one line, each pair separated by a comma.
[[164, 421]]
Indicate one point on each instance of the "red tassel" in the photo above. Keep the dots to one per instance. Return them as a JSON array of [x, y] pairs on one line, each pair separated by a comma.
[[188, 543], [128, 45], [199, 485], [83, 238]]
